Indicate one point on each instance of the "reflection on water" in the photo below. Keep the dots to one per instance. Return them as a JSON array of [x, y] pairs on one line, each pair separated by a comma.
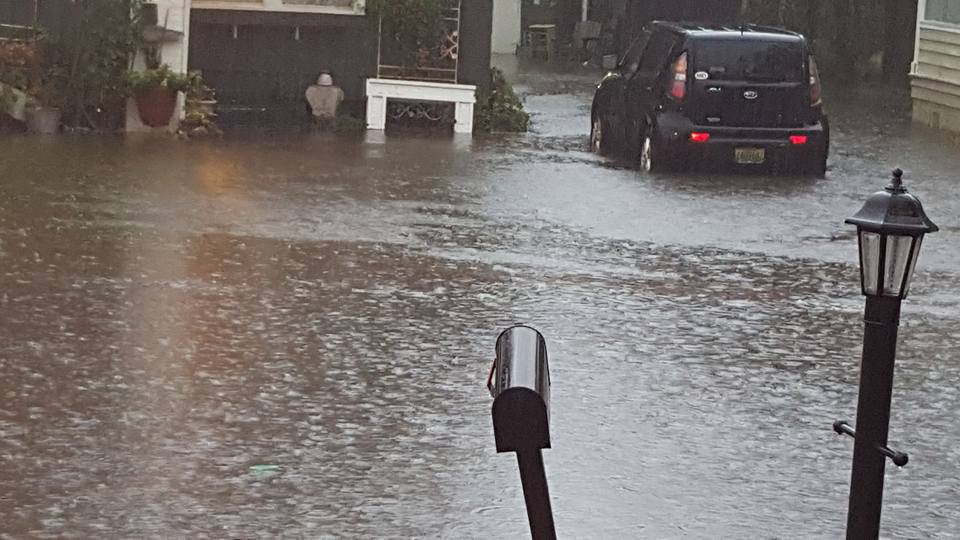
[[255, 338]]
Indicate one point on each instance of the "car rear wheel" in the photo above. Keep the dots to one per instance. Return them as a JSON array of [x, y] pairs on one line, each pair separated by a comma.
[[598, 136], [652, 157]]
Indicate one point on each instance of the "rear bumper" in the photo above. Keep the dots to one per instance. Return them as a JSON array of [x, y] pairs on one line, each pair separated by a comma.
[[673, 131]]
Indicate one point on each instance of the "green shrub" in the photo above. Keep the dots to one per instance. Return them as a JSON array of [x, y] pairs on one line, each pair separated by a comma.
[[7, 98], [499, 109], [199, 124]]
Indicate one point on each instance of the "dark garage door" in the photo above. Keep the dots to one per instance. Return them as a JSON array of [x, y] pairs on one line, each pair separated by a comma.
[[260, 72]]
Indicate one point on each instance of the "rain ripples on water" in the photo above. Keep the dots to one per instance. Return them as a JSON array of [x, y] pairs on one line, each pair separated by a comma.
[[256, 338]]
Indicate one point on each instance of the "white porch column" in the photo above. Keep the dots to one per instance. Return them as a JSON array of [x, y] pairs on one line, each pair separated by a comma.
[[173, 19]]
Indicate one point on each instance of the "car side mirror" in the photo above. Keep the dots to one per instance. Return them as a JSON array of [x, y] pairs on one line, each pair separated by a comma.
[[609, 62]]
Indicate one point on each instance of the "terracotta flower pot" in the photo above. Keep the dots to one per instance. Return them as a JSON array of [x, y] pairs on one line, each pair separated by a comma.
[[156, 106]]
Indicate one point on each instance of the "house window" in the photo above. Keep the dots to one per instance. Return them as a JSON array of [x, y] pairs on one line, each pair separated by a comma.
[[947, 11]]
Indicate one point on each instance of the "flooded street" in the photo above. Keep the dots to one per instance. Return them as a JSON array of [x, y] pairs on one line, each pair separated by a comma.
[[273, 336]]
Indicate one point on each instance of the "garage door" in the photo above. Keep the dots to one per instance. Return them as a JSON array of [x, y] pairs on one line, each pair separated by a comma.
[[260, 72]]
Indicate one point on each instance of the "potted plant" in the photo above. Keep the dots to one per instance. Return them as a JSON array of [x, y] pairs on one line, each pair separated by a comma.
[[155, 92], [200, 119], [200, 97]]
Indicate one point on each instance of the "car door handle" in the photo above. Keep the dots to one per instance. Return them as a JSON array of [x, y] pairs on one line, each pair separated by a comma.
[[714, 89]]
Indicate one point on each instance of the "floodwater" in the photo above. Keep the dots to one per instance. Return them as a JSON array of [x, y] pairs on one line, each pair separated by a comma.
[[273, 336]]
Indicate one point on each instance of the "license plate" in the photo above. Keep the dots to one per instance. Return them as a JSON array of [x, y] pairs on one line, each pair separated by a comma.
[[750, 156]]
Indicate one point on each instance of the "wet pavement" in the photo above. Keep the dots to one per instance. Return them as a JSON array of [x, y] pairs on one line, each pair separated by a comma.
[[289, 335]]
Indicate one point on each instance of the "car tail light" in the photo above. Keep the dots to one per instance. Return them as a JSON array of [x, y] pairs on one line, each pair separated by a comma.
[[699, 137], [678, 86], [798, 139], [815, 88]]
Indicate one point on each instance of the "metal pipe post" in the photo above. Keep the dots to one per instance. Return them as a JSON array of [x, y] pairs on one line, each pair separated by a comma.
[[881, 317], [533, 477]]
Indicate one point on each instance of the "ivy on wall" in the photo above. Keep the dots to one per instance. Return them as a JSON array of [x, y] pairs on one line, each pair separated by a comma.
[[844, 33], [409, 27], [85, 52]]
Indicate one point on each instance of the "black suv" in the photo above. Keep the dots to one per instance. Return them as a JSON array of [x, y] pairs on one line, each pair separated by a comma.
[[746, 95]]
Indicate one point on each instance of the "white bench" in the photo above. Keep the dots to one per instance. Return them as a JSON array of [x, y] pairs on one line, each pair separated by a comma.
[[380, 90]]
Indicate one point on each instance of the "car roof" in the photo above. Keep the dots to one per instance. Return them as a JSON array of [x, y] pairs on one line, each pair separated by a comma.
[[730, 31]]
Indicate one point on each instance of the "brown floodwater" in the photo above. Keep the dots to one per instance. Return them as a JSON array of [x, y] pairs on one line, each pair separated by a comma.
[[288, 335]]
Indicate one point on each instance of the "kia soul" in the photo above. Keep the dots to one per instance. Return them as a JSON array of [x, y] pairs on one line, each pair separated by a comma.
[[685, 93]]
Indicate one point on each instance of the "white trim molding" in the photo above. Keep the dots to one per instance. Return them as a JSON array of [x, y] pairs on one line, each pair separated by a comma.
[[357, 7], [921, 14], [940, 25]]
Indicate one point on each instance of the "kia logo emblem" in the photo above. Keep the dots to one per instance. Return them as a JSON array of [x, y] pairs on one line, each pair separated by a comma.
[[751, 94]]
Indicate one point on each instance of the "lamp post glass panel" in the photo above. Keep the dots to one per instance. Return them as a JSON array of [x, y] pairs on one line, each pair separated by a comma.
[[890, 230]]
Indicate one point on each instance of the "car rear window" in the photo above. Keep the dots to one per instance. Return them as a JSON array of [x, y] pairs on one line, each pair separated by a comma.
[[749, 60]]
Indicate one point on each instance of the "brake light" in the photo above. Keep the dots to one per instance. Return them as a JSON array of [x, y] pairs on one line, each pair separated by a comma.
[[678, 86], [798, 139], [699, 137], [815, 88]]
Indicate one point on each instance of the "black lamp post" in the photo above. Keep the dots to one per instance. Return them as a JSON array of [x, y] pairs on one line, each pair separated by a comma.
[[890, 230]]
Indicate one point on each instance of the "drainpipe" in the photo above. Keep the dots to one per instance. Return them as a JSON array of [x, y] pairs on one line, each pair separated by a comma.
[[584, 10]]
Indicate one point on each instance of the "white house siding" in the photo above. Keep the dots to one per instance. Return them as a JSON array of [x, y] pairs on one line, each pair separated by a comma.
[[936, 66]]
